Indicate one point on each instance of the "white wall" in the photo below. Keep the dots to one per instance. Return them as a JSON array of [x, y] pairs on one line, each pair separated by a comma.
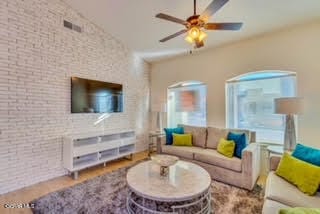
[[37, 58], [294, 49]]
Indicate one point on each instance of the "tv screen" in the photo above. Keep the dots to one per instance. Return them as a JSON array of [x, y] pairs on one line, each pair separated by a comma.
[[91, 96]]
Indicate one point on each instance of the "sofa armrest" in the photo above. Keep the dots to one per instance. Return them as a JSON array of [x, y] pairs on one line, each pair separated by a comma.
[[274, 162], [251, 163], [161, 140]]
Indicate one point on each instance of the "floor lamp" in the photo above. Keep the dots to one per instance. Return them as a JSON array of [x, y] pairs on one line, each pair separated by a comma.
[[289, 106], [160, 109]]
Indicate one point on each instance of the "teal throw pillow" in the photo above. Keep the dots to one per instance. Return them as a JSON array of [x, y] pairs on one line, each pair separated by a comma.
[[241, 142], [307, 154], [170, 131]]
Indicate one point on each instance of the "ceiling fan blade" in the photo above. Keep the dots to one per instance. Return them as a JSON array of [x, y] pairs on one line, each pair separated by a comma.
[[171, 18], [223, 26], [212, 8], [173, 35]]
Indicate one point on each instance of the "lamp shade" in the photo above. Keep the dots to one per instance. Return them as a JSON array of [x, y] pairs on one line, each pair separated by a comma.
[[159, 107], [288, 105]]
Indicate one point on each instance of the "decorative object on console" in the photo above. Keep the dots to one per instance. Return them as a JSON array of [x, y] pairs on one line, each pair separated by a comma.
[[170, 131], [300, 173], [289, 106], [226, 147], [240, 141], [182, 139], [307, 154], [164, 161]]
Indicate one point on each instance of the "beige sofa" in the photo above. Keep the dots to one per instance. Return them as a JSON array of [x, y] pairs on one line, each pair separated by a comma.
[[281, 194], [238, 172]]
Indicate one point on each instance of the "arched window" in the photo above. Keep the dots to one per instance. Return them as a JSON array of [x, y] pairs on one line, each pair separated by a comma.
[[250, 103], [187, 104]]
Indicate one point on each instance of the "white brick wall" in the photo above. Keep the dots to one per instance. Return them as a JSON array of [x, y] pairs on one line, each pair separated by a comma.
[[37, 58]]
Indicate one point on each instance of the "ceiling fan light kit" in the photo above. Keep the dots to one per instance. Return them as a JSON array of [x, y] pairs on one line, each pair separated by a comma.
[[195, 24]]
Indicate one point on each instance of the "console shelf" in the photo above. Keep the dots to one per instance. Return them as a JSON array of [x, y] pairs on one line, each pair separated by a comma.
[[83, 151]]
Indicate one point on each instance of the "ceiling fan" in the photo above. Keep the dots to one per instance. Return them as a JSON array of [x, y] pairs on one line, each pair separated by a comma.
[[195, 24]]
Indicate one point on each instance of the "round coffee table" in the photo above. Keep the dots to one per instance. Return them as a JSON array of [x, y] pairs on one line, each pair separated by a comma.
[[186, 189]]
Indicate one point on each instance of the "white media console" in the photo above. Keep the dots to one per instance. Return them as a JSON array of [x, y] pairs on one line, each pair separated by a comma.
[[86, 150]]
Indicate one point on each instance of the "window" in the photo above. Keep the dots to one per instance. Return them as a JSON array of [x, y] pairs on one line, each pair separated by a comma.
[[250, 103], [187, 104]]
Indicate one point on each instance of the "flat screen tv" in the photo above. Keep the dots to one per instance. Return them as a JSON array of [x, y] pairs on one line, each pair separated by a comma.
[[91, 96]]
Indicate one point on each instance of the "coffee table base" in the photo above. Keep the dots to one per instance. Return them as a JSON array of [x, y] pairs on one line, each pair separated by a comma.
[[198, 205]]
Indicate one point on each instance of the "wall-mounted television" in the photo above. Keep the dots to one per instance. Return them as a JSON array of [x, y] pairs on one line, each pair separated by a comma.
[[92, 96]]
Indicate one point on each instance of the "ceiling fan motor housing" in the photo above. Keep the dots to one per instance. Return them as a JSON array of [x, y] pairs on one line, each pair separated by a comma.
[[195, 21]]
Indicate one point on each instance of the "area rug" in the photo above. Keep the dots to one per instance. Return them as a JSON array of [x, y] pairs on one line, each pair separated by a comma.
[[106, 194]]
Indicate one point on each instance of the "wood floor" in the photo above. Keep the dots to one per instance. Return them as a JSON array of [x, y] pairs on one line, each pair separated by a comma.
[[30, 193]]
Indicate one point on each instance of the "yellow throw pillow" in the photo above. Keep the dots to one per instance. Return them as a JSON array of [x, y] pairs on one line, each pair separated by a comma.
[[226, 147], [182, 139], [300, 210], [300, 173]]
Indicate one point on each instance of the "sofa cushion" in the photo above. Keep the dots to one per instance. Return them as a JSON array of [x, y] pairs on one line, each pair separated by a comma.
[[272, 207], [180, 151], [199, 135], [280, 190], [211, 156], [214, 135]]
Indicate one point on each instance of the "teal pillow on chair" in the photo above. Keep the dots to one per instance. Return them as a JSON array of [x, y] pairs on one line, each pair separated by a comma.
[[170, 131], [307, 154], [241, 142]]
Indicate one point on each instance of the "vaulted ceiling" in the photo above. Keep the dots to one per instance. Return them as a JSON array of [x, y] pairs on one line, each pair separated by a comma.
[[133, 21]]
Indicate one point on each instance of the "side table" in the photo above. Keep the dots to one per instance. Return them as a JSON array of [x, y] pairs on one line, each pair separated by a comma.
[[277, 150], [154, 137]]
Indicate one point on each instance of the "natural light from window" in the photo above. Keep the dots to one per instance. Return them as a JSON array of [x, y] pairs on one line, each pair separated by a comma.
[[250, 103], [187, 104]]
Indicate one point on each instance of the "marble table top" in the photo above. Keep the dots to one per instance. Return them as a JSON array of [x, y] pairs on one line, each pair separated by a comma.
[[185, 181]]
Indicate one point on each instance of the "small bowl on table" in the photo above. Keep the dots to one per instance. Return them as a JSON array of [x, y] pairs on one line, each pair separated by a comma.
[[164, 161]]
